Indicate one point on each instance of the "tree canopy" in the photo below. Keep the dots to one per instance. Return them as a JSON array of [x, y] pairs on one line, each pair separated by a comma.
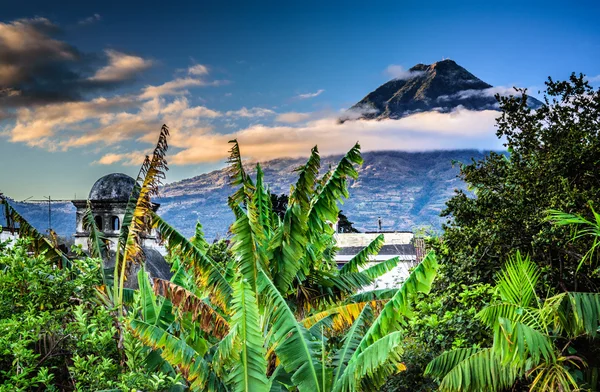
[[552, 163]]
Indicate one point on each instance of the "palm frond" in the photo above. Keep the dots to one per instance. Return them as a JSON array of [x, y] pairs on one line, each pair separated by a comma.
[[249, 374], [582, 228], [198, 239], [226, 354], [97, 241], [518, 280], [303, 191], [391, 317], [238, 176], [580, 313], [362, 257], [324, 205], [370, 370], [350, 342], [447, 361], [149, 308], [492, 313], [516, 342], [142, 214], [174, 350], [295, 347], [373, 295], [287, 248], [556, 376], [342, 316], [207, 274], [289, 244], [262, 201], [207, 318], [381, 268], [480, 371], [131, 203], [248, 238]]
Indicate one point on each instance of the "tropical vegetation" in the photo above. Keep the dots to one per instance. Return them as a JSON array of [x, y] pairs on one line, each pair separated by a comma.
[[506, 299]]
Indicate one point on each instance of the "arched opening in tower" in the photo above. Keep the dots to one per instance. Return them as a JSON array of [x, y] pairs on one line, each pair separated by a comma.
[[115, 223], [98, 220]]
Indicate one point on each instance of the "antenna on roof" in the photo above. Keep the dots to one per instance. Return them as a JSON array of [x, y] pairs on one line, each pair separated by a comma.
[[49, 213]]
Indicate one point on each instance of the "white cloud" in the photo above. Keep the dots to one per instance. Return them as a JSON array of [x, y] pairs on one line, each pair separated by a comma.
[[137, 117], [90, 19], [111, 121], [593, 79], [121, 67], [310, 95], [134, 158], [292, 117], [399, 72], [488, 92], [174, 87], [198, 69], [250, 113], [419, 132], [105, 121]]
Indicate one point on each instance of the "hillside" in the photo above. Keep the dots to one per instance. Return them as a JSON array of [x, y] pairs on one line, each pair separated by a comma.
[[406, 189]]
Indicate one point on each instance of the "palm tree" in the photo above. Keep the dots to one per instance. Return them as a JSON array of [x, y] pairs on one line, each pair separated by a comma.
[[532, 338]]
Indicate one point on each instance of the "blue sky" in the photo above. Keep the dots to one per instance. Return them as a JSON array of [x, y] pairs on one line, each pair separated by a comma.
[[265, 72]]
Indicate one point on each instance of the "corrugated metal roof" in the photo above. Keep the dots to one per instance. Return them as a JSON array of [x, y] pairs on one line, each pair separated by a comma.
[[386, 250]]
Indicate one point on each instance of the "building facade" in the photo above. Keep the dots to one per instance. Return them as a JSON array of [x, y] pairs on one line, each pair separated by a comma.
[[108, 199], [403, 244]]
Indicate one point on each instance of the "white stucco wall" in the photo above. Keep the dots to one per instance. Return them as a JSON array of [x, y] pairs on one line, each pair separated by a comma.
[[6, 236], [392, 279], [395, 277]]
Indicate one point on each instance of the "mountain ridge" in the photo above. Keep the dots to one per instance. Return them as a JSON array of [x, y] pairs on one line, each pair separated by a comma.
[[407, 189]]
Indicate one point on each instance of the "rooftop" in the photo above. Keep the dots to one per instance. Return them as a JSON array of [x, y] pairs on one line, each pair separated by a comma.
[[114, 187]]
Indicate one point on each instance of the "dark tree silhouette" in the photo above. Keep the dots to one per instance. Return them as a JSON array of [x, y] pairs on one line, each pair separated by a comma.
[[280, 203]]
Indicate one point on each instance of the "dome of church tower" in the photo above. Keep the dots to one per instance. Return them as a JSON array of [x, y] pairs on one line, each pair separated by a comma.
[[116, 187]]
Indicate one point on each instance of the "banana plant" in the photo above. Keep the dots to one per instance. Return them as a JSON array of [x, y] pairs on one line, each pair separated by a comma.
[[297, 251], [266, 324], [267, 349]]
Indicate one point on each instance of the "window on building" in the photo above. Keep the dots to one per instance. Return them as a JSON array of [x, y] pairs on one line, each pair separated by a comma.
[[98, 220], [115, 223]]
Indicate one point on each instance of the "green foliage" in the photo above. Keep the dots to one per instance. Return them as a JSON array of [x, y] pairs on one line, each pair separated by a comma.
[[53, 334], [528, 338], [220, 252], [198, 239], [250, 372], [552, 165], [344, 224]]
